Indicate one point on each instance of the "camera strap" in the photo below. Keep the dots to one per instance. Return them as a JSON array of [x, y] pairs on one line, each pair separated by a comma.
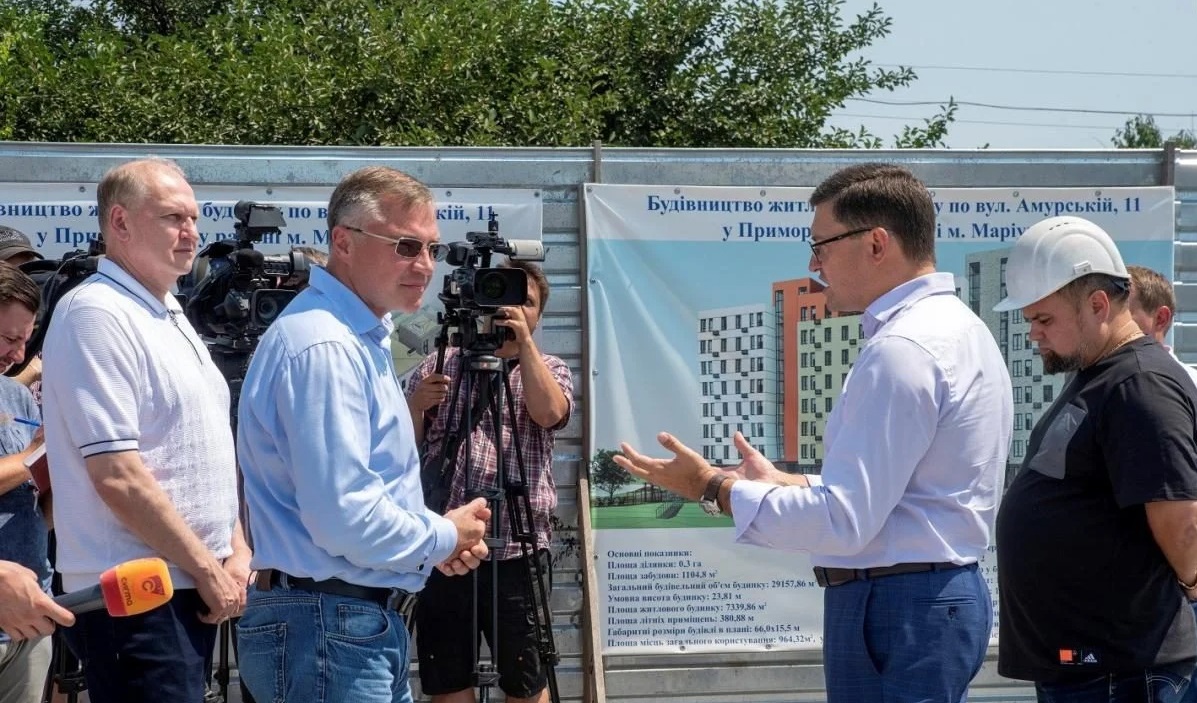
[[436, 475]]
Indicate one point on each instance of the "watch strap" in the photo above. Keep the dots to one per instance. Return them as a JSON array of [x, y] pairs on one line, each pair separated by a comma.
[[711, 493]]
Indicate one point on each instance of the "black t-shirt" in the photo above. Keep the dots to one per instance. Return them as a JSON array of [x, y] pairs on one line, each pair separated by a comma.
[[1084, 587]]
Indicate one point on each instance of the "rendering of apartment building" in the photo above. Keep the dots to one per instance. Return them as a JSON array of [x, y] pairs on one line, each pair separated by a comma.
[[829, 346], [737, 376]]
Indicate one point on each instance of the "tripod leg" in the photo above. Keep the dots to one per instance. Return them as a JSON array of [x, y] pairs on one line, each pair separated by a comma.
[[222, 676], [65, 678], [538, 579], [48, 686]]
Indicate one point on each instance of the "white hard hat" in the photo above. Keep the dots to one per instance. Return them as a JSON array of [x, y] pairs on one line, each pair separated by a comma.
[[1053, 253]]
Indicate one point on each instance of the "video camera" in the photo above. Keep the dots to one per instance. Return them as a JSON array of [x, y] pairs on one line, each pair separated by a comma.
[[474, 291], [237, 291]]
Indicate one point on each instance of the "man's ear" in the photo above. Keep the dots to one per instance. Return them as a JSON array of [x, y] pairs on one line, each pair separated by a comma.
[[1099, 304], [118, 223], [881, 239], [339, 241], [1163, 318]]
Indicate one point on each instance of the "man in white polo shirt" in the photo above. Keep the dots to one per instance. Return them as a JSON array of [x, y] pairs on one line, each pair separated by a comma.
[[140, 446]]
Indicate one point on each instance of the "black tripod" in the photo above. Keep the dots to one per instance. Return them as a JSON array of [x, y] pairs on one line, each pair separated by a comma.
[[65, 675], [233, 362], [484, 379], [66, 672]]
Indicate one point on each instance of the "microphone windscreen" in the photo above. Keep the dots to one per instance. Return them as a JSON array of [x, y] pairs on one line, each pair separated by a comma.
[[136, 586]]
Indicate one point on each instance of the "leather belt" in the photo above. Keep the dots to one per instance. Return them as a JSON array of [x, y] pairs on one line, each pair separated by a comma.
[[390, 598], [831, 576]]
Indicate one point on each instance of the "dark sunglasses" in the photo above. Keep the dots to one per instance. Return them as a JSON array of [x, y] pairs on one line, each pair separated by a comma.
[[408, 247]]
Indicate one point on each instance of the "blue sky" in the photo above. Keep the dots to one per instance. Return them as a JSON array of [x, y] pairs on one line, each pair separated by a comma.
[[1056, 47]]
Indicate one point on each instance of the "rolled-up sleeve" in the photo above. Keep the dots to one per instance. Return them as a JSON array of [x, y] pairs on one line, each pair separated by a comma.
[[884, 424]]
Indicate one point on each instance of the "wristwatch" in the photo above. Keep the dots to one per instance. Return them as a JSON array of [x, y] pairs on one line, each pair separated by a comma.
[[710, 497]]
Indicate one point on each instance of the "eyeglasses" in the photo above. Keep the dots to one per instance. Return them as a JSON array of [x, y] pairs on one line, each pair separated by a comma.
[[814, 246], [408, 247]]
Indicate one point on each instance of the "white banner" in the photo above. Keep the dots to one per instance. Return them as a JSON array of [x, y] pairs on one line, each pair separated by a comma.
[[60, 217], [696, 332], [710, 213]]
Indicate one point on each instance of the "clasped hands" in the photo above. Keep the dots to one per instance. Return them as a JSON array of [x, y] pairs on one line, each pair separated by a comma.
[[470, 520]]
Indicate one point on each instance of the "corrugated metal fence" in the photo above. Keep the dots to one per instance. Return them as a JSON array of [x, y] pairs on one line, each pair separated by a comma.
[[558, 174]]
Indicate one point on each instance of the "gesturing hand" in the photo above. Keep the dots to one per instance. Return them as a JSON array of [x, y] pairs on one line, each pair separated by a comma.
[[755, 467], [686, 474]]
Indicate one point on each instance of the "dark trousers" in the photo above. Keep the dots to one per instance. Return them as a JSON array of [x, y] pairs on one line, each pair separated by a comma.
[[162, 655], [1153, 686], [1191, 693], [909, 638], [445, 628]]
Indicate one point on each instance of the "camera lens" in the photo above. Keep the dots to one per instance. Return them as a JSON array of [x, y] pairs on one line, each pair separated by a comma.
[[492, 286], [268, 309]]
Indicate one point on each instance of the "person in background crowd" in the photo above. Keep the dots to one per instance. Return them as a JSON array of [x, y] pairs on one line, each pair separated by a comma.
[[24, 653]]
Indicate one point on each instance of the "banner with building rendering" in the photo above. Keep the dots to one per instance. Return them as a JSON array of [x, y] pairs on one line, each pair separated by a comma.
[[704, 321], [61, 217]]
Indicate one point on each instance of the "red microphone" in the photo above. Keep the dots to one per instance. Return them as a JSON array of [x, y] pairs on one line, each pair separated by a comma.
[[131, 588]]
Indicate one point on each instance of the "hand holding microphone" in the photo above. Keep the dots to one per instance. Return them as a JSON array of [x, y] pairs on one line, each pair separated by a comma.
[[131, 588], [26, 611]]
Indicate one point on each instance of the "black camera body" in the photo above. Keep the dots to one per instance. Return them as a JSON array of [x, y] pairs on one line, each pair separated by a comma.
[[242, 291], [474, 291]]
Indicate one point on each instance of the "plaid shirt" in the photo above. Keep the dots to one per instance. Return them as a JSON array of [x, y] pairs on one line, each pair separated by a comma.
[[536, 443]]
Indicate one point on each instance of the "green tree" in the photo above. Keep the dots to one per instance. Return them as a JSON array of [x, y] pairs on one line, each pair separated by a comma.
[[1141, 132], [605, 474], [669, 73]]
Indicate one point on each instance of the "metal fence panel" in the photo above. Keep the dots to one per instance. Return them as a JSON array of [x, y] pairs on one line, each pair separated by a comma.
[[558, 175]]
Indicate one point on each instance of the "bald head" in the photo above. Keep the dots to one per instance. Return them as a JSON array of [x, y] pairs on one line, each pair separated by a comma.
[[128, 184], [149, 219]]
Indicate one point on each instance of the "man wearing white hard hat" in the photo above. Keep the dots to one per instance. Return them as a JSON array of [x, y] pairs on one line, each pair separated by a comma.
[[1097, 536]]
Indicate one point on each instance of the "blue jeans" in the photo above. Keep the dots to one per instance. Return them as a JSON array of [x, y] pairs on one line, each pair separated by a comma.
[[306, 647], [1191, 694], [1151, 686], [909, 638]]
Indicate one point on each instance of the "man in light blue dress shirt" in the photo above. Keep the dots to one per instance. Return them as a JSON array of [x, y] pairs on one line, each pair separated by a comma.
[[331, 469], [915, 452]]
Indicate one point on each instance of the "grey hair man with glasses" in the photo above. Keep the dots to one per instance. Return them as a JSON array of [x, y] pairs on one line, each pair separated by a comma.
[[331, 467], [915, 453]]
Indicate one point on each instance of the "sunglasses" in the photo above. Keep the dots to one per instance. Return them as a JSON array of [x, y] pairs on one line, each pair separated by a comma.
[[408, 247]]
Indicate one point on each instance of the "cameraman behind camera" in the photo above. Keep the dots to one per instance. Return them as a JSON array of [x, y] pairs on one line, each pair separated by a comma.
[[542, 390]]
